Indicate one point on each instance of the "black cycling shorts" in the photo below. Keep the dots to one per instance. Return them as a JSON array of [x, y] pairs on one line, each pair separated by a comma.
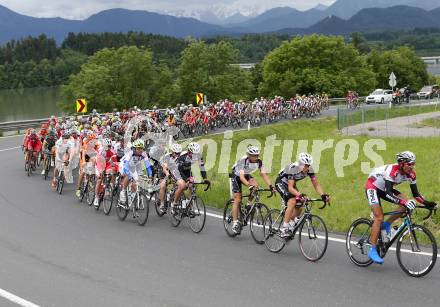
[[375, 195], [283, 190], [236, 182]]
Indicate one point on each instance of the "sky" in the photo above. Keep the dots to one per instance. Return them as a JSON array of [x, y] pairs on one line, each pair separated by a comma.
[[81, 9]]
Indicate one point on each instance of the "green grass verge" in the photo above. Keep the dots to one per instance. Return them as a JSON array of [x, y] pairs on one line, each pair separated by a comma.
[[348, 200], [430, 122], [348, 118]]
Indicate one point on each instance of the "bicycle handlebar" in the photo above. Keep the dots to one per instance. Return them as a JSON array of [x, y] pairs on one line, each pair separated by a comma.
[[430, 209], [208, 185], [313, 200]]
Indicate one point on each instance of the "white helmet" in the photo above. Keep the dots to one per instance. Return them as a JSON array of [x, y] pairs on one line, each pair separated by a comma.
[[176, 148], [305, 158], [139, 143], [194, 148], [406, 156], [107, 143], [252, 150]]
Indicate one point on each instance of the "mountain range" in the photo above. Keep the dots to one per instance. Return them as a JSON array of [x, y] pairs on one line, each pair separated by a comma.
[[342, 17]]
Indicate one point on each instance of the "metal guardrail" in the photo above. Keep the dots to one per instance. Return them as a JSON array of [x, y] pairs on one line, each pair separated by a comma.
[[20, 125]]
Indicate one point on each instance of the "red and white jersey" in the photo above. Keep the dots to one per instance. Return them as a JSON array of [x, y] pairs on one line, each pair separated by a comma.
[[391, 173]]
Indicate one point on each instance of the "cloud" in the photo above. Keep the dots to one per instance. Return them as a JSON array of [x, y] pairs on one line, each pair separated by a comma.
[[80, 9]]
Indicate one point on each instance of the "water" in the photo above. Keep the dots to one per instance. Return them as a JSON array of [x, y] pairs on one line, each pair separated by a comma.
[[31, 103]]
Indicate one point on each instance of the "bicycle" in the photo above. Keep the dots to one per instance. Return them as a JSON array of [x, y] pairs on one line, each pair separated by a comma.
[[136, 201], [254, 214], [87, 187], [105, 193], [48, 156], [409, 238], [193, 208], [110, 198], [29, 165], [60, 179], [315, 231]]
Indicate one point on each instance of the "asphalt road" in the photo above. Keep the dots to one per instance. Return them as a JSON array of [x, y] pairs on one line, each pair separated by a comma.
[[56, 251]]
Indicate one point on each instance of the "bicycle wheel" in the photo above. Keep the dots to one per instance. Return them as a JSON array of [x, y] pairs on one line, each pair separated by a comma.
[[83, 190], [90, 197], [196, 214], [416, 251], [256, 222], [272, 225], [142, 210], [122, 209], [227, 219], [358, 243], [154, 199], [107, 201], [176, 218], [46, 168], [313, 237]]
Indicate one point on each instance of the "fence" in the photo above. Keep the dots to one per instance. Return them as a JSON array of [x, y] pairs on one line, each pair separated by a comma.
[[418, 120]]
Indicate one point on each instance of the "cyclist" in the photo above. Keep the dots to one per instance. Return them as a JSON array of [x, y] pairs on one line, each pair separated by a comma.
[[286, 186], [110, 166], [168, 165], [241, 174], [129, 165], [49, 145], [32, 144], [88, 153], [62, 156], [380, 185], [184, 173]]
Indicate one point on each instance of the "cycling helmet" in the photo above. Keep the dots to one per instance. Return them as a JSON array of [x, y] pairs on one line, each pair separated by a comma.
[[176, 148], [194, 148], [107, 143], [305, 158], [32, 132], [406, 156], [66, 135], [252, 150], [139, 143], [172, 112]]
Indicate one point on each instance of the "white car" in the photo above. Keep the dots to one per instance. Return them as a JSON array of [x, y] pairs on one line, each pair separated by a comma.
[[428, 92], [380, 96]]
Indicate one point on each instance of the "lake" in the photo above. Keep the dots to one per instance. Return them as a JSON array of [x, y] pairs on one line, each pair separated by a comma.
[[31, 103]]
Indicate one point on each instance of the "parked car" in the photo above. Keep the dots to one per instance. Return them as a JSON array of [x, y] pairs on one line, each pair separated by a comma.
[[428, 92], [380, 96]]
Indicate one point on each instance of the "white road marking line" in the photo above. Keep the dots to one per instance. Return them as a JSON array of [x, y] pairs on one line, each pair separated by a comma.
[[12, 148], [16, 299], [330, 238]]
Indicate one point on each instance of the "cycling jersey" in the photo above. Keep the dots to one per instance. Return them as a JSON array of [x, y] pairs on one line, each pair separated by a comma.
[[293, 171], [184, 163], [244, 164], [134, 165], [33, 144], [381, 182]]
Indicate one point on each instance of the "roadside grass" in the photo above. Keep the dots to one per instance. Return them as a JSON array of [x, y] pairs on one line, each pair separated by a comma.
[[429, 122], [350, 118], [347, 191]]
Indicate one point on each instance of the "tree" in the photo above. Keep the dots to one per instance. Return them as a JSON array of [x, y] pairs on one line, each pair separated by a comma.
[[404, 62], [315, 64], [360, 43], [207, 69], [116, 78]]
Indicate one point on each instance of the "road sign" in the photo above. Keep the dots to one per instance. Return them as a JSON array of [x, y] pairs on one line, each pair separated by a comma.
[[393, 80], [81, 106], [199, 98]]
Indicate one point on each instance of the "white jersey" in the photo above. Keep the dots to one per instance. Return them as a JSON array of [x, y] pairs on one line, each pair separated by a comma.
[[390, 172]]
